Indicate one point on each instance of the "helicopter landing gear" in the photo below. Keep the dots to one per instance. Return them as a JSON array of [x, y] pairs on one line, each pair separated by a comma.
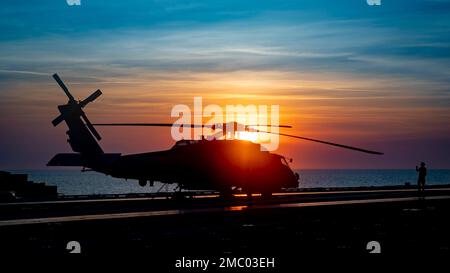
[[248, 192], [142, 182], [179, 194], [266, 194], [226, 193]]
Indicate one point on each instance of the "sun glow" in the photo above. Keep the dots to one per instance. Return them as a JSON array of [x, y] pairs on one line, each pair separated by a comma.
[[250, 136]]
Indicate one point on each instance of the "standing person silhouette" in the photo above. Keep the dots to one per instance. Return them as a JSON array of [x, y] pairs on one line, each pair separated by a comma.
[[421, 178]]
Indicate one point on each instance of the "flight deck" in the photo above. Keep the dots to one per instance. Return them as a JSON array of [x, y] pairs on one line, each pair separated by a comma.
[[289, 224]]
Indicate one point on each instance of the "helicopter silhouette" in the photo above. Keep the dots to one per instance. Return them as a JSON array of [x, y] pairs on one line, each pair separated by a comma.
[[217, 165]]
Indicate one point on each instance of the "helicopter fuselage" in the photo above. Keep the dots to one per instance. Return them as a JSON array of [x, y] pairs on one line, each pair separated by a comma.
[[209, 165]]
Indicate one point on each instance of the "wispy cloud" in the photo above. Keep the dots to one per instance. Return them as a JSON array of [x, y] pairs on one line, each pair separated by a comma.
[[24, 72], [386, 66]]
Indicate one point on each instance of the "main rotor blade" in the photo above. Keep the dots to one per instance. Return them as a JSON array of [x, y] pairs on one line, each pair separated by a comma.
[[63, 86], [91, 128], [326, 142], [236, 125], [219, 125], [91, 98], [270, 125], [57, 120], [150, 124]]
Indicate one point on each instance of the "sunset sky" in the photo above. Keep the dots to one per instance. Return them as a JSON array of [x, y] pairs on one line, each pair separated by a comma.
[[376, 77]]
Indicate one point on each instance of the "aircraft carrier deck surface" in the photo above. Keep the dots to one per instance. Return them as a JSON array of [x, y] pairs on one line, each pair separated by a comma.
[[286, 227]]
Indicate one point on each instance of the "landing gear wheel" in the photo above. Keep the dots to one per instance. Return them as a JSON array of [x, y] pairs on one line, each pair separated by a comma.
[[226, 193], [142, 182], [249, 192], [266, 194]]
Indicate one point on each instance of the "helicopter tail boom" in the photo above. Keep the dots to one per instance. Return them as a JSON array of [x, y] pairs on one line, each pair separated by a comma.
[[68, 160], [79, 160]]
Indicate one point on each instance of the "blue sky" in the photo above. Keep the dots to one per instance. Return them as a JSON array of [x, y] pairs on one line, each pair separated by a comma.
[[344, 35], [389, 65]]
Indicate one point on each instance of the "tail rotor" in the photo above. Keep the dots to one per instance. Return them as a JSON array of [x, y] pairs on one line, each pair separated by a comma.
[[76, 107]]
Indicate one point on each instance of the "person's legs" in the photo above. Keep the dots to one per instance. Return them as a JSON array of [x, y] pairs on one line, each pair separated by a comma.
[[421, 186]]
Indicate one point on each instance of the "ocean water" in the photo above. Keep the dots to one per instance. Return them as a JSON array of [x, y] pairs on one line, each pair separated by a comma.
[[74, 182]]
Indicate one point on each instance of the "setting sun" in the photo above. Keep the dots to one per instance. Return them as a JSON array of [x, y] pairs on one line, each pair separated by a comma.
[[250, 136]]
